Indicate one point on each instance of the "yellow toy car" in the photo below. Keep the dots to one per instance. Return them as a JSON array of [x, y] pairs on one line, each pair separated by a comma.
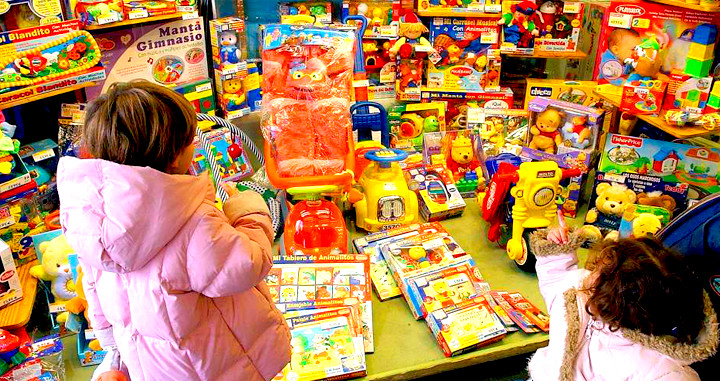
[[387, 201]]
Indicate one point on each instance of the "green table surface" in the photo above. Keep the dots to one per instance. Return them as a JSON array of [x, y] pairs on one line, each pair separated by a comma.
[[404, 347]]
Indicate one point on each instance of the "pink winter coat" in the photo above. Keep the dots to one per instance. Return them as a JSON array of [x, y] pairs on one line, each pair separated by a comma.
[[180, 282], [582, 348]]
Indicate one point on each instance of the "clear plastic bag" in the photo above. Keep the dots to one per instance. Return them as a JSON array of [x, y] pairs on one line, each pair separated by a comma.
[[308, 76]]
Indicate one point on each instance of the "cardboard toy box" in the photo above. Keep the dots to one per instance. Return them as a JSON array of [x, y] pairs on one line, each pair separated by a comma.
[[439, 197], [226, 40], [673, 162], [643, 100], [319, 11], [409, 121], [475, 8], [554, 26], [576, 125], [380, 69], [22, 14], [470, 55], [501, 131], [148, 8], [642, 221], [10, 289], [223, 167], [629, 24], [459, 152], [501, 99], [382, 15], [465, 326], [447, 287], [166, 53], [232, 97]]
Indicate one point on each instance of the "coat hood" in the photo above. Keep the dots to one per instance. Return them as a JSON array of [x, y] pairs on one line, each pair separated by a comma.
[[121, 216]]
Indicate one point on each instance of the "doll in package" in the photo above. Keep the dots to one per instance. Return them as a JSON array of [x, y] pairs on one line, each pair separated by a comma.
[[307, 88]]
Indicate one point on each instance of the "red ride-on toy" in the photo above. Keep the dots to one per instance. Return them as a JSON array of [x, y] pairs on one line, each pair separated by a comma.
[[537, 185]]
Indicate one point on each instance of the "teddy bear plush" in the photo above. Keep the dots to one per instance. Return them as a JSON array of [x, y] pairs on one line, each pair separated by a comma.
[[657, 198], [545, 134], [54, 267], [612, 201], [462, 157]]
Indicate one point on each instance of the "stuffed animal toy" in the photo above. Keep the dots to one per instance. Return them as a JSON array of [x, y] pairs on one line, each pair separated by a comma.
[[518, 27], [657, 198], [306, 106], [462, 157], [645, 224], [612, 201], [576, 132], [544, 18], [78, 305], [54, 267], [410, 31], [545, 134], [494, 132], [229, 52]]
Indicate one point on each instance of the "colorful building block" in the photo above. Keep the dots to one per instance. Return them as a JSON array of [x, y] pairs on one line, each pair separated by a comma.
[[698, 68], [705, 34], [701, 52]]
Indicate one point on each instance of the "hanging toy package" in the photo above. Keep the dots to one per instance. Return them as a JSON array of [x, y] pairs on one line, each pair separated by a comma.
[[306, 123]]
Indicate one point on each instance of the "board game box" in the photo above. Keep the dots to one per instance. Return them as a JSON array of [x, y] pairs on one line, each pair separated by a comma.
[[447, 287]]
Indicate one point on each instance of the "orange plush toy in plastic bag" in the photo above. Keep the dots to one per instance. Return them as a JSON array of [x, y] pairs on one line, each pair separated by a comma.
[[306, 105]]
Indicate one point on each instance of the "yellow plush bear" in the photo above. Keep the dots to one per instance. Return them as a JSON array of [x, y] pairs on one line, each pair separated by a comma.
[[462, 157], [55, 268], [612, 200]]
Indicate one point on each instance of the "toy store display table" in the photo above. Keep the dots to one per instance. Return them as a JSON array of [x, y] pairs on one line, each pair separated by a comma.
[[18, 314], [657, 121]]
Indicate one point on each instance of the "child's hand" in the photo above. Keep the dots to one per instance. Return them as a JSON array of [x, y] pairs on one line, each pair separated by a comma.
[[112, 375], [559, 234], [231, 189]]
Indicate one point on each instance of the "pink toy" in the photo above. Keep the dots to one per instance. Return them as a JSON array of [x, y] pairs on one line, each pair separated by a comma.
[[307, 87]]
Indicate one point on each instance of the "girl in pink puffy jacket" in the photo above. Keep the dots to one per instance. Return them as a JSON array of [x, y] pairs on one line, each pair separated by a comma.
[[635, 313], [172, 282]]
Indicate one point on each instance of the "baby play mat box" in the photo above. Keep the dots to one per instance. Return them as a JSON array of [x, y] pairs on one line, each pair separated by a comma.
[[166, 54], [10, 290]]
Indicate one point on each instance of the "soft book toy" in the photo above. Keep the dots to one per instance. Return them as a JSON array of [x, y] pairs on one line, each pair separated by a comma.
[[54, 267]]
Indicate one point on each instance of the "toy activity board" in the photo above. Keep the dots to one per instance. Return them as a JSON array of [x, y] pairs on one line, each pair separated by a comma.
[[220, 148], [166, 54]]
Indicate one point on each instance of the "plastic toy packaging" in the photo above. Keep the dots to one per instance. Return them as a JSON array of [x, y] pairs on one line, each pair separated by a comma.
[[97, 12], [21, 14], [308, 12], [459, 152], [42, 359], [382, 16], [306, 99], [556, 123], [501, 131]]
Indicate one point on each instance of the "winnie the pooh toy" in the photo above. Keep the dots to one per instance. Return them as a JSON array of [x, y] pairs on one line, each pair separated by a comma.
[[54, 267], [462, 157], [545, 134], [612, 201]]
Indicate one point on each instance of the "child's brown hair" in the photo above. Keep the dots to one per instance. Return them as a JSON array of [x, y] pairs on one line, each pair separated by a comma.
[[139, 123], [641, 285]]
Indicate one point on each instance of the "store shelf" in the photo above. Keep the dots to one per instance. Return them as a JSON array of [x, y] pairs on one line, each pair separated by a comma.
[[17, 314], [449, 13], [683, 4], [49, 94], [657, 121], [545, 54], [174, 16]]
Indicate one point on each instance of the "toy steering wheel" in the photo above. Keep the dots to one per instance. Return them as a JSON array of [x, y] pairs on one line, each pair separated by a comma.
[[386, 156]]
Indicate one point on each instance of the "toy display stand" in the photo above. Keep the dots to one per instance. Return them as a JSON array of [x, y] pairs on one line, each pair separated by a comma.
[[18, 314]]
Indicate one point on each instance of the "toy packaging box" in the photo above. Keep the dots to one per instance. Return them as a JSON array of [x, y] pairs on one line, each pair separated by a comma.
[[326, 345], [459, 151], [228, 54], [303, 282], [382, 16], [546, 26], [313, 11], [380, 69], [232, 98], [501, 131], [518, 316], [10, 289], [661, 31], [383, 281], [91, 12], [167, 53], [673, 162], [22, 14], [559, 23], [409, 121], [465, 326], [642, 221], [643, 99], [224, 167], [43, 361], [470, 58], [20, 218], [439, 197], [408, 78], [17, 177], [458, 105], [446, 287], [556, 123], [688, 93], [199, 94], [458, 8], [148, 8]]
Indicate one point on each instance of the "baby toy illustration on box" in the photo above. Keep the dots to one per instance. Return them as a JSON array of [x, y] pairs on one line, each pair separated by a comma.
[[307, 83]]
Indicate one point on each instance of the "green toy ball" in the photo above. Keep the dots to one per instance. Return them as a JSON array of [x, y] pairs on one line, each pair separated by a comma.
[[431, 124]]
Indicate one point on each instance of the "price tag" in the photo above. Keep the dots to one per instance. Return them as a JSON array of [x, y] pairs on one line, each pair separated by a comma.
[[571, 7], [57, 308], [42, 155], [107, 19], [489, 38], [475, 115], [90, 334], [203, 87], [619, 20], [137, 14], [361, 83], [189, 15]]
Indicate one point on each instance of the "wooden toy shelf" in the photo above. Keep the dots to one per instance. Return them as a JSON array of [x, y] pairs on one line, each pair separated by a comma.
[[683, 4], [658, 121], [48, 94]]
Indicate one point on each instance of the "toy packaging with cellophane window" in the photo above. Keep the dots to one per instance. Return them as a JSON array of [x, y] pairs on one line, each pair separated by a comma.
[[382, 16], [465, 326], [408, 123], [307, 12], [447, 287], [226, 156], [307, 89], [646, 40], [459, 151], [501, 131], [439, 197], [470, 55]]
